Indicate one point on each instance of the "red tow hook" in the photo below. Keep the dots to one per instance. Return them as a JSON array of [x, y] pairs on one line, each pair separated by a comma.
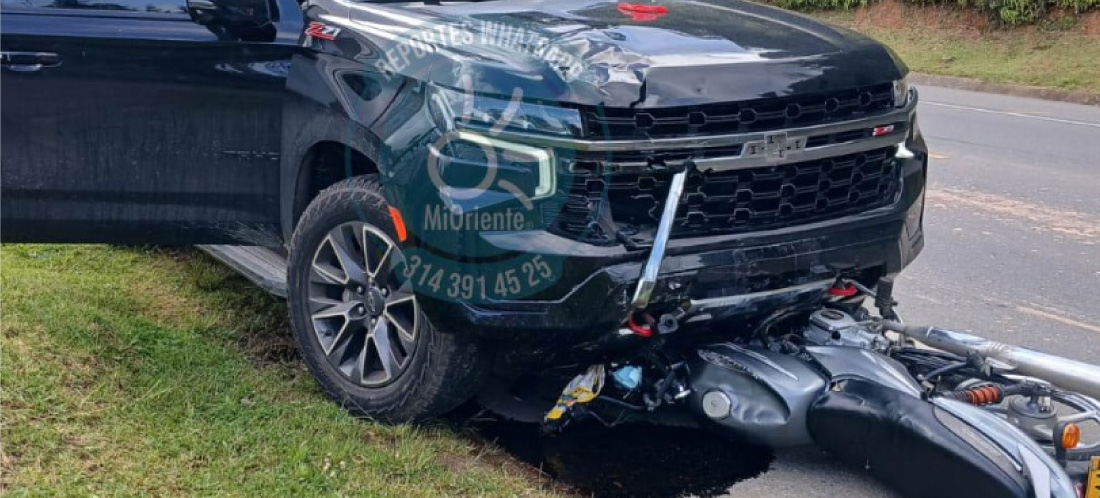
[[641, 12], [644, 331], [842, 290]]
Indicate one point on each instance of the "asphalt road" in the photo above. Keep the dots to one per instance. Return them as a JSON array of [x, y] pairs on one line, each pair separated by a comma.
[[1012, 247]]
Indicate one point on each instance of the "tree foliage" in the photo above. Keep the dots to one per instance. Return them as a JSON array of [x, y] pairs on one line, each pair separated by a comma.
[[1007, 12]]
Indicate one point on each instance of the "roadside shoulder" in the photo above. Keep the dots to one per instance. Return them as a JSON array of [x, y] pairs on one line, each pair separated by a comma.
[[1036, 92]]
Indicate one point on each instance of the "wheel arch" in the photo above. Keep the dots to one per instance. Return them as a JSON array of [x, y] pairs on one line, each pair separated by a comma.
[[324, 164], [321, 128], [318, 166]]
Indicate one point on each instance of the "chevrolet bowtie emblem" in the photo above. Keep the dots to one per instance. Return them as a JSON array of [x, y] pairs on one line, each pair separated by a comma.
[[774, 147]]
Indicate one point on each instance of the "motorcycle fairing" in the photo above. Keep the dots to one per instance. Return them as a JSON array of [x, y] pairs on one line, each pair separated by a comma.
[[903, 439]]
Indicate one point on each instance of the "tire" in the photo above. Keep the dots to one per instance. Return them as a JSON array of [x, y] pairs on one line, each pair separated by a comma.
[[439, 370]]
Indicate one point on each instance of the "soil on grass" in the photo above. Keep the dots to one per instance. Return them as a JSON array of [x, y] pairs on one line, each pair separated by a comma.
[[894, 14], [1090, 23]]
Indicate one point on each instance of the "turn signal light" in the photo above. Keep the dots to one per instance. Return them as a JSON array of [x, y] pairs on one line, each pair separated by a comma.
[[398, 224], [1071, 435]]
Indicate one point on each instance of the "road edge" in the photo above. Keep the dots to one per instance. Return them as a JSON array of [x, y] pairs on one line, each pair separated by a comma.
[[1036, 92]]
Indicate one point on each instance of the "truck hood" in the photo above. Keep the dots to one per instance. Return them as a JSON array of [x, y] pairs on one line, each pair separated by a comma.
[[601, 53]]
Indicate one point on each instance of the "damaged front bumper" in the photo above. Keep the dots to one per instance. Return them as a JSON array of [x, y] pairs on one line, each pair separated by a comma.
[[743, 275]]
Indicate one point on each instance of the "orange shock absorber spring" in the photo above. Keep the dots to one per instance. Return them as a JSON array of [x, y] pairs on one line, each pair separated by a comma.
[[981, 395]]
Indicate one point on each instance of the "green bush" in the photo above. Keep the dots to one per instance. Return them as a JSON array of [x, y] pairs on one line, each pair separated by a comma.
[[1079, 6], [826, 4], [1011, 12], [1007, 12]]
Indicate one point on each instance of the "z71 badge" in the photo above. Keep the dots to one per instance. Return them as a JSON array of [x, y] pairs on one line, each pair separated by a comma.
[[322, 31]]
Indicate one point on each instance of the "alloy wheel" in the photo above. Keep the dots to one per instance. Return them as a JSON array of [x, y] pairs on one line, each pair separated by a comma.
[[362, 308]]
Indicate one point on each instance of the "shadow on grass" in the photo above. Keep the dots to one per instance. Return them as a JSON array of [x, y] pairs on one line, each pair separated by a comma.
[[265, 337]]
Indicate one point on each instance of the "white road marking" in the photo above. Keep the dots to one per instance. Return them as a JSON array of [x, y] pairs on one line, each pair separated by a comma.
[[1014, 114]]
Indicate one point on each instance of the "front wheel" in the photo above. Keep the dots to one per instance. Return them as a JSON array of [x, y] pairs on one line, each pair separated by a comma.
[[357, 321]]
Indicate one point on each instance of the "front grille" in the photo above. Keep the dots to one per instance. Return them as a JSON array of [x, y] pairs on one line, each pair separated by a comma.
[[740, 117], [628, 205]]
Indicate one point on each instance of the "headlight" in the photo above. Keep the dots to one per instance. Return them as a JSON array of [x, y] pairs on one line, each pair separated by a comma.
[[901, 92], [476, 167], [457, 109], [473, 165]]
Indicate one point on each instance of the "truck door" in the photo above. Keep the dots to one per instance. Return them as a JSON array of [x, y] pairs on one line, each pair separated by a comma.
[[143, 121]]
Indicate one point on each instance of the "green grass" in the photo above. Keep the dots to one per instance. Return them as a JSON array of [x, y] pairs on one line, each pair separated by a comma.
[[158, 372], [1065, 59]]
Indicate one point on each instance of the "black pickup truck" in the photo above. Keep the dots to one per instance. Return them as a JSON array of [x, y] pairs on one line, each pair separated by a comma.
[[451, 191]]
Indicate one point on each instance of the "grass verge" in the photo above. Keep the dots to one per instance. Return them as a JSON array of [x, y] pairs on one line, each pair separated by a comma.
[[954, 42], [158, 372]]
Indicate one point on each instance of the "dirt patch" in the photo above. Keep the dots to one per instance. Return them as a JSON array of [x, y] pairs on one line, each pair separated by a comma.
[[270, 347], [631, 460], [894, 14], [1090, 23], [887, 14], [488, 455], [967, 23], [7, 467], [454, 463]]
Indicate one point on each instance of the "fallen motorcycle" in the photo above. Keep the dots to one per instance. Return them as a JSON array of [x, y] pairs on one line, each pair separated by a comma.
[[929, 411], [932, 412]]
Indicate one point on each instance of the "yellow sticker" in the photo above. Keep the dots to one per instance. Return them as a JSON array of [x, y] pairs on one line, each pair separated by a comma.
[[555, 413], [1092, 484], [583, 395]]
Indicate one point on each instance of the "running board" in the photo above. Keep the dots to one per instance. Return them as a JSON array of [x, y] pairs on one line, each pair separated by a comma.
[[264, 266]]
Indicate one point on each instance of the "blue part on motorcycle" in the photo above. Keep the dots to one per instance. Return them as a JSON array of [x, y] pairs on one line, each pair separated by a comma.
[[627, 377]]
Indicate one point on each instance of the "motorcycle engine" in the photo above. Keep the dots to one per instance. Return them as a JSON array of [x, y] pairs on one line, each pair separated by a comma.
[[832, 327]]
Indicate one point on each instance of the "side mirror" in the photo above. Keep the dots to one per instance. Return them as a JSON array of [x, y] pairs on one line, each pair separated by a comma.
[[231, 14]]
